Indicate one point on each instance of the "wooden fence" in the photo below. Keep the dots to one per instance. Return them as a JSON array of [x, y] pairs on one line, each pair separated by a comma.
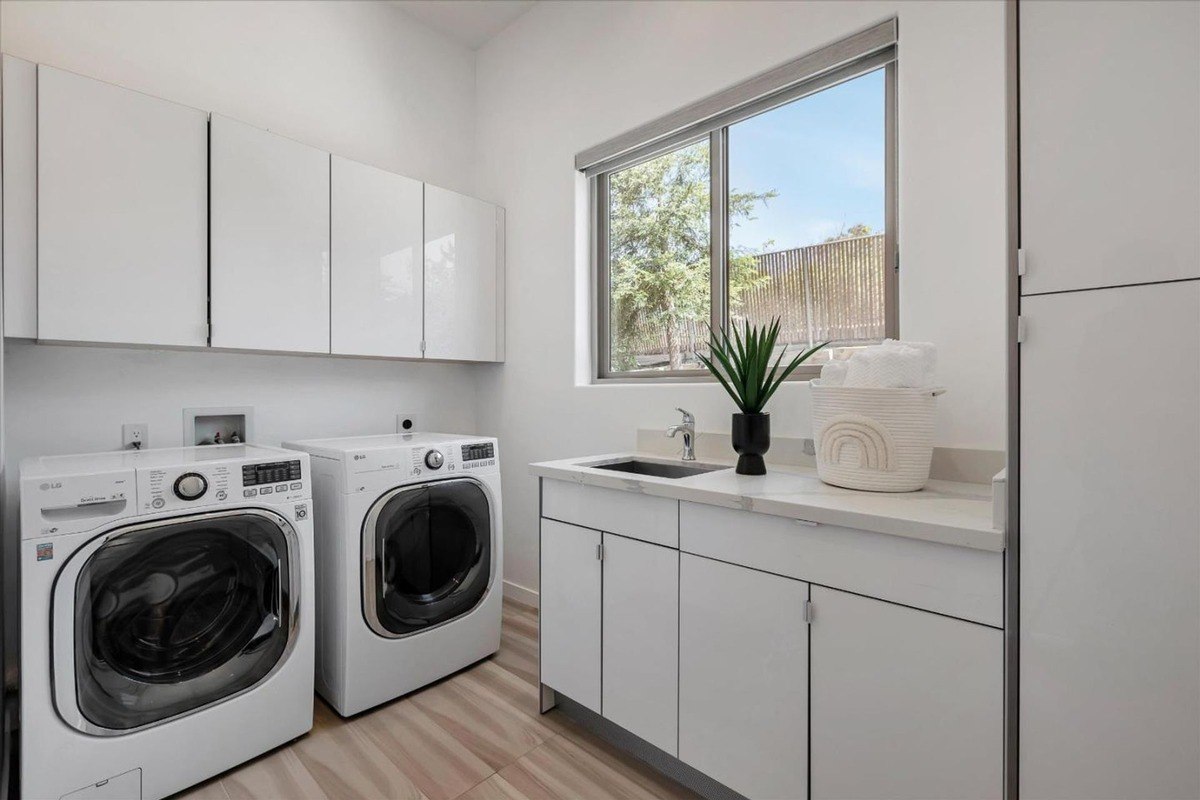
[[832, 291]]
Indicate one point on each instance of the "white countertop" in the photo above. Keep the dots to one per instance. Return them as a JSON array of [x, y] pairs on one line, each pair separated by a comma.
[[944, 511]]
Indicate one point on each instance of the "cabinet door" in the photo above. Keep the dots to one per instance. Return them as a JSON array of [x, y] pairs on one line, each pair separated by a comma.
[[122, 215], [1110, 547], [463, 277], [270, 241], [569, 628], [641, 639], [376, 261], [18, 183], [905, 703], [743, 677], [1110, 117]]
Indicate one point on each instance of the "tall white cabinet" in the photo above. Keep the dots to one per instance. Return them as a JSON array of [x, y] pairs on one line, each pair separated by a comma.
[[464, 277], [270, 241], [1109, 392], [122, 217], [376, 260]]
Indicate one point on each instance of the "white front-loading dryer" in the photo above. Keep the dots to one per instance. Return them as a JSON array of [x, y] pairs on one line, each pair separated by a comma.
[[409, 561], [167, 616]]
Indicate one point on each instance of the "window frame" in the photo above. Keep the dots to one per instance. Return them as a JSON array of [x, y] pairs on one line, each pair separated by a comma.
[[600, 162]]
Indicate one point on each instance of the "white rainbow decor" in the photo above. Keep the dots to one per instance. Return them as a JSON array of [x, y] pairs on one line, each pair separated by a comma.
[[871, 447], [876, 439]]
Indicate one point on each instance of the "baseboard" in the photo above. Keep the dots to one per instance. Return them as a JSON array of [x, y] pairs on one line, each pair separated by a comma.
[[517, 592]]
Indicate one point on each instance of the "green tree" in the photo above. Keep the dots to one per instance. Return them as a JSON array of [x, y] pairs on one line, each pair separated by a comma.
[[659, 250], [853, 232]]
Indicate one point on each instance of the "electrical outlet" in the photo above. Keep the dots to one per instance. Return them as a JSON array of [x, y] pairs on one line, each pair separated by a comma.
[[407, 423], [135, 436]]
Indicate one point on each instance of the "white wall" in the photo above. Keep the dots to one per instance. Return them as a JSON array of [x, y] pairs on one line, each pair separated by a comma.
[[359, 79], [568, 75]]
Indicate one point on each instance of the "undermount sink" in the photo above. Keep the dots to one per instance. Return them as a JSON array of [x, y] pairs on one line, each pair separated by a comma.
[[658, 469]]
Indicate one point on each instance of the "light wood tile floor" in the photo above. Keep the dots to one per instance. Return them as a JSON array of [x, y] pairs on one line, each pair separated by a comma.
[[476, 735]]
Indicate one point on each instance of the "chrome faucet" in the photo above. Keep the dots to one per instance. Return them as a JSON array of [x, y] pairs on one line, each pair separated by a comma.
[[688, 429]]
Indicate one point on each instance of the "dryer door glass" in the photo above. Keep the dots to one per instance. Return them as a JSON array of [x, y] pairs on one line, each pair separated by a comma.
[[174, 615], [428, 556]]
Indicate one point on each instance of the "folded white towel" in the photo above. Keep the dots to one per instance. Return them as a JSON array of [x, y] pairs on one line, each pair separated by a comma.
[[834, 373], [928, 356], [892, 365]]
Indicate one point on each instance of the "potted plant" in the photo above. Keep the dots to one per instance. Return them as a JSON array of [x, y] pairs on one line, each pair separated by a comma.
[[743, 366]]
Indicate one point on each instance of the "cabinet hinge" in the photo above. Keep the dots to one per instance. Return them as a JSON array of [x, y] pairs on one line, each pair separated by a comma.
[[1021, 262], [808, 611], [600, 552], [1020, 330]]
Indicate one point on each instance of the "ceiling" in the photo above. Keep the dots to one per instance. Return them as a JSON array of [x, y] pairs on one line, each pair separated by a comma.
[[468, 22]]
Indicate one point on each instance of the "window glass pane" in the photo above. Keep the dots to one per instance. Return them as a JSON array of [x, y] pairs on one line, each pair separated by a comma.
[[807, 191], [659, 261]]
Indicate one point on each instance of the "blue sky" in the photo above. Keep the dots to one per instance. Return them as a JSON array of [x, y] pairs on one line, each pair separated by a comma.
[[824, 154]]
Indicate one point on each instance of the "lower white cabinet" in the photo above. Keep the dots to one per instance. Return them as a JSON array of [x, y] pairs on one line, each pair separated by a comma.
[[569, 635], [743, 677], [773, 685], [640, 672], [905, 703]]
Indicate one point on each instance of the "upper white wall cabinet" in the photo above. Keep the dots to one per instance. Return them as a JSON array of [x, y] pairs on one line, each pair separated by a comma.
[[1110, 117], [19, 181], [270, 241], [376, 262], [464, 277], [122, 215]]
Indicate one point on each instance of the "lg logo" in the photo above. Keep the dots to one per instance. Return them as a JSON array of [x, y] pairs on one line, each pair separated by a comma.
[[359, 456], [55, 485]]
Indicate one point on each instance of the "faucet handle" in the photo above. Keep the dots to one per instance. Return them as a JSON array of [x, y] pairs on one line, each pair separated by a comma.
[[688, 419]]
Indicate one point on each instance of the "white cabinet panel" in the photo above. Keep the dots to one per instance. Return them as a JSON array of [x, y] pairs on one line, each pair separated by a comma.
[[905, 704], [958, 581], [464, 287], [18, 180], [743, 678], [569, 627], [639, 516], [122, 215], [1110, 118], [270, 241], [641, 639], [376, 261], [1110, 545]]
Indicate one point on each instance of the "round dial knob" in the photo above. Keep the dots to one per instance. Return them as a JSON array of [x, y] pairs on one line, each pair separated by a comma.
[[190, 486], [434, 459]]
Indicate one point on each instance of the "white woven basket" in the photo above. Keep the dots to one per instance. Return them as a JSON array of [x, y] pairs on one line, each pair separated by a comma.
[[880, 440]]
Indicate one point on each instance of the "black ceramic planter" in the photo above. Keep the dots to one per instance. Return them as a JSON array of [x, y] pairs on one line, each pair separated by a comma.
[[751, 438]]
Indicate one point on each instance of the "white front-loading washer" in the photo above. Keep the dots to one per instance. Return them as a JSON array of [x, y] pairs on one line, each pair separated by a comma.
[[167, 616], [408, 540]]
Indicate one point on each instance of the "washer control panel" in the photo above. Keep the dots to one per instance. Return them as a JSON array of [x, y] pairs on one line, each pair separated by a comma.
[[217, 482]]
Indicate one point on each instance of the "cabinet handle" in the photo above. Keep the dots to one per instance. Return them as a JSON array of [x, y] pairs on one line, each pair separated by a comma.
[[807, 522], [600, 552]]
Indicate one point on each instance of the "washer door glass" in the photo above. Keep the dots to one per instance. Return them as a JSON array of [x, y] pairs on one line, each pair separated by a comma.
[[428, 556], [173, 616]]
